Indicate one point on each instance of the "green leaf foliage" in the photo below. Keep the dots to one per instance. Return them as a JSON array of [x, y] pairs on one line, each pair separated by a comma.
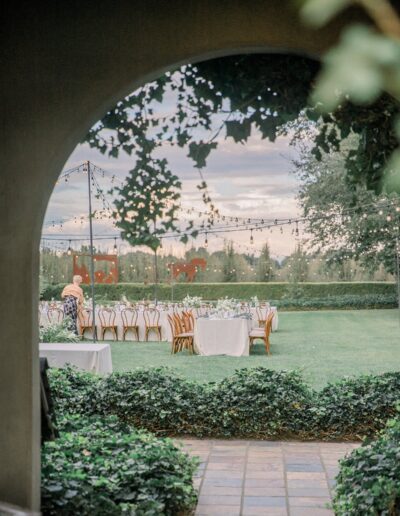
[[102, 466], [369, 480], [58, 332], [253, 403], [340, 294]]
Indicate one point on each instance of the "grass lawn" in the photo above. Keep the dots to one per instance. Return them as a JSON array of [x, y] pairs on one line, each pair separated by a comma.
[[324, 345]]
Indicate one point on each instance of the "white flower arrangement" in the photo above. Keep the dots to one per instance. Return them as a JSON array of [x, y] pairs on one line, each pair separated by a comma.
[[255, 301], [226, 304], [192, 301]]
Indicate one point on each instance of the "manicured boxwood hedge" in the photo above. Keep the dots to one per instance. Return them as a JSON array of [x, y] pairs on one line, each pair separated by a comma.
[[252, 403], [312, 295], [102, 466], [369, 480]]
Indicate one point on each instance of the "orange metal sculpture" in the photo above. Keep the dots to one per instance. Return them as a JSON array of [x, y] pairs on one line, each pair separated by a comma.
[[188, 268], [100, 276]]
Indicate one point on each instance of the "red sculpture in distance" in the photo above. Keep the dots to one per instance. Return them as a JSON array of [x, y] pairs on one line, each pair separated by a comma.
[[100, 275], [188, 268]]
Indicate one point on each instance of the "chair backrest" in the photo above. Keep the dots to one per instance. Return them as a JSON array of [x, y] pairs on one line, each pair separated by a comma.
[[172, 325], [151, 316], [129, 316], [178, 323], [55, 315], [85, 317], [268, 324], [262, 313], [188, 321], [107, 316]]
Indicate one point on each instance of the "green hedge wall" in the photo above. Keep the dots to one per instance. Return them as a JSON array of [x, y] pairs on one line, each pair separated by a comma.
[[252, 403], [213, 291]]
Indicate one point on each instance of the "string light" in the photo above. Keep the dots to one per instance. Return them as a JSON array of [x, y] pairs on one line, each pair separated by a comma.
[[69, 251], [251, 237], [115, 248], [206, 241]]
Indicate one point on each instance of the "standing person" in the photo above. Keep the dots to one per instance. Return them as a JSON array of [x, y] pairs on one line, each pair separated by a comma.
[[73, 301]]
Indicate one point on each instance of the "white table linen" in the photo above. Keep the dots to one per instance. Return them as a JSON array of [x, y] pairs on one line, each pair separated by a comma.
[[222, 337], [95, 358], [165, 327]]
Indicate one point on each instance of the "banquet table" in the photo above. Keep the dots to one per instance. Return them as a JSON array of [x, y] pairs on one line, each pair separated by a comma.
[[165, 328], [95, 358], [222, 336]]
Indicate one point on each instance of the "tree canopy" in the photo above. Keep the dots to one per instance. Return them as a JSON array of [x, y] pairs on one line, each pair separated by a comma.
[[231, 97]]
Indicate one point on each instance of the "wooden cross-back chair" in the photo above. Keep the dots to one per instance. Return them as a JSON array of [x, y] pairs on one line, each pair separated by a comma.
[[152, 322], [180, 338], [85, 319], [55, 315], [129, 322], [262, 314], [188, 320], [263, 333], [107, 322]]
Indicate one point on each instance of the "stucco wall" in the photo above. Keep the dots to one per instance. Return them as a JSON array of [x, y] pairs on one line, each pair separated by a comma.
[[64, 64]]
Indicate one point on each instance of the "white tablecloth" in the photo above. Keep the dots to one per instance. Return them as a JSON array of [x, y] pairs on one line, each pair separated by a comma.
[[222, 337], [95, 358], [165, 328]]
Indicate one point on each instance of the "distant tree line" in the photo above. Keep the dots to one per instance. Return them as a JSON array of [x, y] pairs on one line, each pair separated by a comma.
[[226, 265]]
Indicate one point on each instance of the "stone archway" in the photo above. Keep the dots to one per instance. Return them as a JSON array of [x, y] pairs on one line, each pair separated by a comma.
[[65, 64]]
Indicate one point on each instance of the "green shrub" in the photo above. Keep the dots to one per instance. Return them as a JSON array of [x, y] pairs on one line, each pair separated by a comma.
[[213, 291], [58, 332], [368, 483], [155, 399], [104, 467], [357, 407], [253, 403], [73, 391], [260, 403]]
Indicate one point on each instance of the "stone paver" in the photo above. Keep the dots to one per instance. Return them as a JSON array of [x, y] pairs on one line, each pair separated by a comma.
[[246, 478]]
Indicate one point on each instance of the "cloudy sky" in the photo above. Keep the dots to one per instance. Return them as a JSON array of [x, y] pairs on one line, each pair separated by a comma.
[[251, 180]]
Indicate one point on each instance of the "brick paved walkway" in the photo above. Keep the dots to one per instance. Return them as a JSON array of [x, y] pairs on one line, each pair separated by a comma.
[[265, 477]]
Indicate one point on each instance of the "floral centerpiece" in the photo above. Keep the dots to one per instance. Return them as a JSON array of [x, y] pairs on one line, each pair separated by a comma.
[[226, 304], [192, 301], [255, 301]]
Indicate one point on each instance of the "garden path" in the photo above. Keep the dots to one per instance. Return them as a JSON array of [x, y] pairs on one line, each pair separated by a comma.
[[274, 478]]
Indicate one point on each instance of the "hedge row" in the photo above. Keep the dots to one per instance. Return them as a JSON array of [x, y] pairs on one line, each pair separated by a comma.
[[368, 301], [253, 403], [368, 483], [281, 292], [102, 466]]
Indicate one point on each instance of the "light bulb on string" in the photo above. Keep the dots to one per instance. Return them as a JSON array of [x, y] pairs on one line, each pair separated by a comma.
[[206, 241], [69, 251], [251, 237], [115, 248]]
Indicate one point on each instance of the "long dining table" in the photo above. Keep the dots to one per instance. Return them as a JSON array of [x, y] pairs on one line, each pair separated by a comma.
[[166, 333]]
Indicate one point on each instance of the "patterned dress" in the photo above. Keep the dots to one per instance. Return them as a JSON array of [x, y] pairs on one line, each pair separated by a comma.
[[71, 311]]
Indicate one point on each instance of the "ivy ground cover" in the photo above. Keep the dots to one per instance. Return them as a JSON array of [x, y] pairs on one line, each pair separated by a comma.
[[324, 346]]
